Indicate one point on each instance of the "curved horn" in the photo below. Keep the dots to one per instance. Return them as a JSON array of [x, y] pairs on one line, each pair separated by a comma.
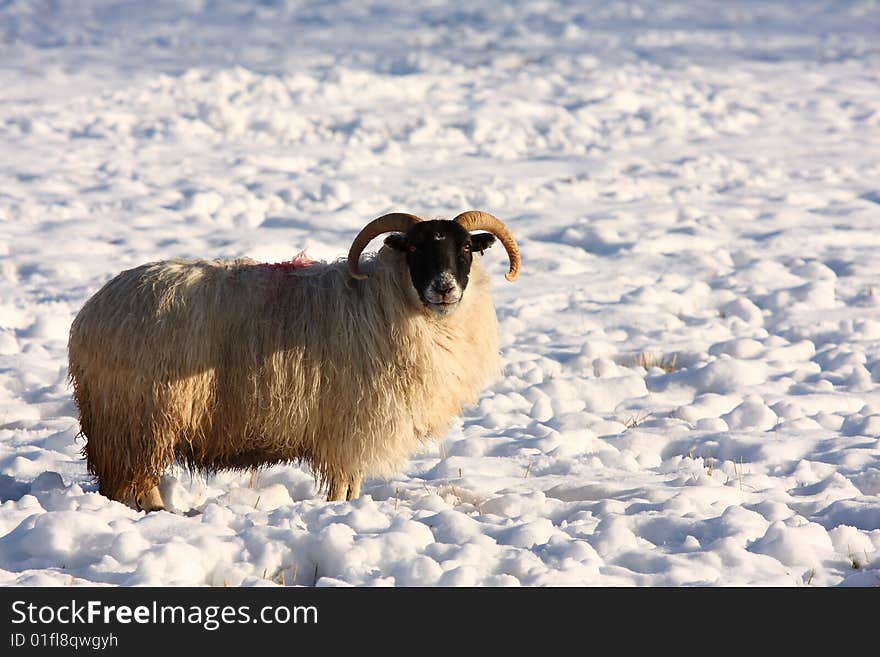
[[476, 220], [388, 223]]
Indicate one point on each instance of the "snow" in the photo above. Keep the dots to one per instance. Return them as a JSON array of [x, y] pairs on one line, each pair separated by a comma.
[[691, 180]]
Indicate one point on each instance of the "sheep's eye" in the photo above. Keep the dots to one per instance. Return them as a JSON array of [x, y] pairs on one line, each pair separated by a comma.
[[466, 248], [412, 248]]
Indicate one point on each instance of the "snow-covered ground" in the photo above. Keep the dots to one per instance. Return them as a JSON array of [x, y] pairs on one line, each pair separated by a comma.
[[691, 386]]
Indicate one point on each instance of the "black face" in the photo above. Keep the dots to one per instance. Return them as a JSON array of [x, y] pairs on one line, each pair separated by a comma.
[[439, 256]]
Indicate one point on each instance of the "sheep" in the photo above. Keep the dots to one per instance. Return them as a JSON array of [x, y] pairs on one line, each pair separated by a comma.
[[234, 364]]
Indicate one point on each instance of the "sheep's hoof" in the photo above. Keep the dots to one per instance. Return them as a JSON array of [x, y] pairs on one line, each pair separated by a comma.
[[151, 500]]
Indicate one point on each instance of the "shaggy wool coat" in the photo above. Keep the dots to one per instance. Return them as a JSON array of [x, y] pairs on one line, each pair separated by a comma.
[[234, 364]]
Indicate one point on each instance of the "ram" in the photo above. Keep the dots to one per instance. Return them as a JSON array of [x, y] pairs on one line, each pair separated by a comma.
[[220, 364]]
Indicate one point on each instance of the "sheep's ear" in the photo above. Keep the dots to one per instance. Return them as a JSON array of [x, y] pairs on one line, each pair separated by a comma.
[[396, 241], [482, 241]]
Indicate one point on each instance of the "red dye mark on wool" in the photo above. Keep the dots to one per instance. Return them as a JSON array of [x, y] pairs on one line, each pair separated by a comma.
[[299, 261]]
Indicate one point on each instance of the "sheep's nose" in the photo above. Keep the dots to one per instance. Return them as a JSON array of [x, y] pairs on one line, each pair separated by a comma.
[[445, 288]]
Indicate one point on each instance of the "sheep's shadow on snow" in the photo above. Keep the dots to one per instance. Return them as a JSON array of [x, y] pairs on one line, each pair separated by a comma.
[[12, 490]]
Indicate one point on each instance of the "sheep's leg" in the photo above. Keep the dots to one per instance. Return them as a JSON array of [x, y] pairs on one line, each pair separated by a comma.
[[354, 488], [151, 500], [341, 490], [127, 456], [337, 491]]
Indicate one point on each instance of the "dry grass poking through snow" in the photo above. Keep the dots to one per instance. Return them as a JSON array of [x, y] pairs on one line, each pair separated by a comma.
[[649, 360], [635, 419]]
